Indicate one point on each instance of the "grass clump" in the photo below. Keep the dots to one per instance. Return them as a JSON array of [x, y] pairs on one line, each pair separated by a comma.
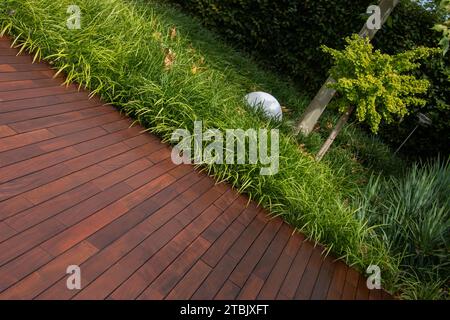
[[164, 70], [413, 213]]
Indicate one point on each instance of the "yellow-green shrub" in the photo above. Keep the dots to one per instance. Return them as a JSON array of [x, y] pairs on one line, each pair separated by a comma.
[[379, 85]]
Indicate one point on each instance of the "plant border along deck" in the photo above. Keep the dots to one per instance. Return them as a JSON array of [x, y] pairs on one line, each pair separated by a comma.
[[130, 54], [84, 192]]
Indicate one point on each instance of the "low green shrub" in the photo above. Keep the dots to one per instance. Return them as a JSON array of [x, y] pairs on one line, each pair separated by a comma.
[[380, 86], [413, 213]]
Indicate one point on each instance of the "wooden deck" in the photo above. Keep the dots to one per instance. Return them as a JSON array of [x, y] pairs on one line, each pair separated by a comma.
[[78, 186]]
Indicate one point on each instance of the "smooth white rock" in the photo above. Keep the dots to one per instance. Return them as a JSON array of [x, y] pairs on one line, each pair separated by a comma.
[[266, 102]]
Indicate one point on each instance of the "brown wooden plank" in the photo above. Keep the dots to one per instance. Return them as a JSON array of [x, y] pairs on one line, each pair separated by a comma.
[[22, 242], [386, 296], [218, 227], [88, 159], [70, 164], [273, 252], [222, 244], [111, 279], [274, 281], [337, 282], [375, 294], [91, 224], [298, 267], [50, 121], [149, 174], [85, 123], [254, 253], [57, 187], [118, 125], [163, 153], [362, 292], [251, 288], [40, 280], [71, 139], [125, 223], [4, 44], [20, 140], [324, 279], [227, 199], [106, 140], [176, 271], [9, 51], [36, 214], [7, 209], [351, 284], [229, 291], [26, 167], [256, 281], [21, 267], [45, 101], [37, 149], [20, 185], [11, 191], [114, 252], [131, 288], [6, 131], [101, 287], [187, 286], [97, 202], [40, 112], [23, 75], [310, 275], [242, 245], [124, 172], [15, 59], [27, 84], [6, 231], [4, 67], [216, 278]]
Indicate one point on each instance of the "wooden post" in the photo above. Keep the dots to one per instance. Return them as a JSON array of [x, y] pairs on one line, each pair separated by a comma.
[[317, 106], [339, 125]]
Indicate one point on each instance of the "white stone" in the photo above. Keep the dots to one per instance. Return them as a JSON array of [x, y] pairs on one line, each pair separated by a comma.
[[266, 102]]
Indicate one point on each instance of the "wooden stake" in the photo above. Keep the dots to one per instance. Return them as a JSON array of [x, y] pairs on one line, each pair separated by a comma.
[[339, 125]]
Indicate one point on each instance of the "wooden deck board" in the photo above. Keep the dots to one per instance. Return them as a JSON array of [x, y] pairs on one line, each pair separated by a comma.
[[78, 185]]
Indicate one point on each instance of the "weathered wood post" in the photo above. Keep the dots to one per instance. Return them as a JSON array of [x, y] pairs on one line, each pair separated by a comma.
[[315, 109], [334, 133]]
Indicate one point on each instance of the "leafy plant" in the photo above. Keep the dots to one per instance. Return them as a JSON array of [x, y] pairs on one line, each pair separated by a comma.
[[444, 27], [413, 213], [379, 85]]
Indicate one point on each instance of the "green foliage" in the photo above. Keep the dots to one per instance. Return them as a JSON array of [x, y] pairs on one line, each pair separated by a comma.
[[444, 27], [414, 215], [426, 142], [287, 34], [284, 34], [378, 84]]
